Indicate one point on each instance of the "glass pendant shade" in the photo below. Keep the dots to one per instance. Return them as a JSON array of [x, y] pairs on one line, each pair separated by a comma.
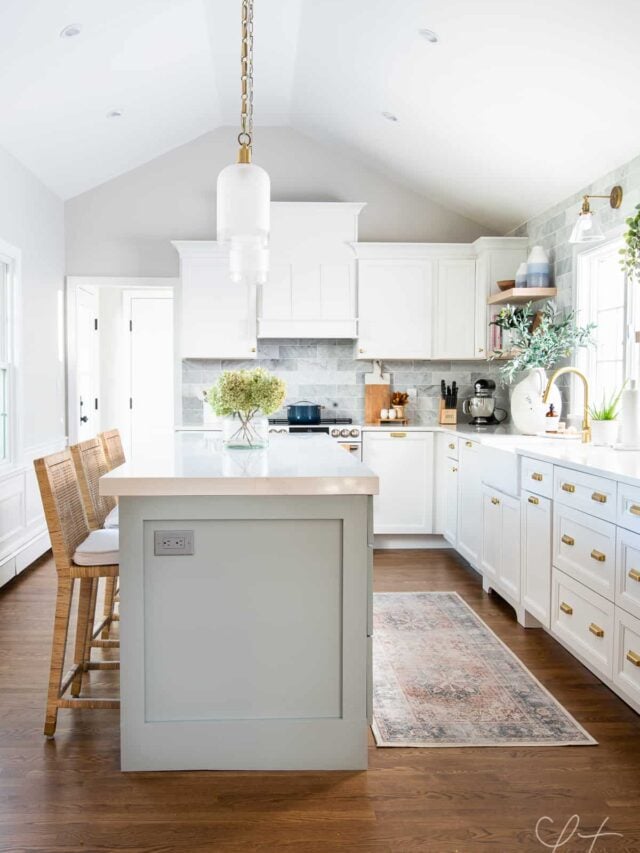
[[243, 214], [587, 229]]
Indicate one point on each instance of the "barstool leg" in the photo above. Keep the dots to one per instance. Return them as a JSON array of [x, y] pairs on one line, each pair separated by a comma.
[[58, 648], [82, 627], [90, 623], [109, 603]]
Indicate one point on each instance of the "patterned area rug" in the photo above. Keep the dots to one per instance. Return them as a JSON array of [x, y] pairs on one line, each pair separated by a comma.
[[443, 678]]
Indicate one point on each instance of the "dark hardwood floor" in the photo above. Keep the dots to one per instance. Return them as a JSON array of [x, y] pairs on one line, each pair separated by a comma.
[[68, 795]]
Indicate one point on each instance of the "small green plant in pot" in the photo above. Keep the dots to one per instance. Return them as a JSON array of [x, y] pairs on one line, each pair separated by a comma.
[[604, 419], [244, 398]]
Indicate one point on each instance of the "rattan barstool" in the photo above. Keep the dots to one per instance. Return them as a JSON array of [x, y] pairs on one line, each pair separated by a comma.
[[69, 532], [112, 446]]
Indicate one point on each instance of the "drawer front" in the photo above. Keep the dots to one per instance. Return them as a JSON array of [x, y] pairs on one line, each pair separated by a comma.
[[629, 507], [595, 495], [627, 593], [451, 446], [626, 664], [537, 477], [584, 621], [585, 548]]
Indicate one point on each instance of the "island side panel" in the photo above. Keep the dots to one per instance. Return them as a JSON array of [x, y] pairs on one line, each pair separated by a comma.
[[251, 653]]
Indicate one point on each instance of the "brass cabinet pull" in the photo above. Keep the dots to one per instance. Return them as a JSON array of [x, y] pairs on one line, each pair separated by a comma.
[[398, 434], [568, 487], [360, 350], [634, 509], [536, 476], [599, 497], [633, 658], [596, 630], [598, 555], [469, 443], [634, 574], [533, 500], [495, 501], [452, 447], [454, 470], [568, 540], [566, 608]]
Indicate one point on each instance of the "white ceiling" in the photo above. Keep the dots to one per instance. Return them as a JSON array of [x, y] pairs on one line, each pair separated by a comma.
[[522, 103]]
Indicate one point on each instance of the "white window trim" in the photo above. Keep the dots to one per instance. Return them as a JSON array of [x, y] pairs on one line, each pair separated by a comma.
[[12, 256]]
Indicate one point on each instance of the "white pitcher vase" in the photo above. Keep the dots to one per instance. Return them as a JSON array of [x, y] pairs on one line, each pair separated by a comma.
[[527, 409]]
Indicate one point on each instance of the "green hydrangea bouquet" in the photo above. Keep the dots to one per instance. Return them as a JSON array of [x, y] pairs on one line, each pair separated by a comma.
[[244, 398]]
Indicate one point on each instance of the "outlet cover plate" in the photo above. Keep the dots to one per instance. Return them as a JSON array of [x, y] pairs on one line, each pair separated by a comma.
[[173, 543]]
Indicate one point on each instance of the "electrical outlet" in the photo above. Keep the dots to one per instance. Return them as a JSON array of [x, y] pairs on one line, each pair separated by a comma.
[[172, 543]]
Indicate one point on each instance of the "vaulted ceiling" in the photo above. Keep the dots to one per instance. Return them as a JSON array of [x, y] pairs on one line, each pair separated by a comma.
[[520, 103]]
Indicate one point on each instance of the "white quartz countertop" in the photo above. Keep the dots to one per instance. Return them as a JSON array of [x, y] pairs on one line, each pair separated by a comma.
[[621, 465], [195, 463]]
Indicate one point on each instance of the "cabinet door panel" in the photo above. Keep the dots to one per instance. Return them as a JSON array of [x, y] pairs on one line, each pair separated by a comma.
[[455, 309], [395, 308], [470, 503], [450, 531], [510, 540], [336, 288], [536, 556], [404, 465], [491, 534]]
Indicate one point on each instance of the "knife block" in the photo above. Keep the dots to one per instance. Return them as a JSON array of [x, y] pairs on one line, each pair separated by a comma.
[[447, 416]]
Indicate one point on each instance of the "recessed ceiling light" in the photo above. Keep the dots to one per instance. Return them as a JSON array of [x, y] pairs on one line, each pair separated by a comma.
[[115, 113], [430, 36], [389, 116], [70, 31]]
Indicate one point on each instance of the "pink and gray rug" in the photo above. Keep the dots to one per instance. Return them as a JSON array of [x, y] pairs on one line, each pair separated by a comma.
[[443, 678]]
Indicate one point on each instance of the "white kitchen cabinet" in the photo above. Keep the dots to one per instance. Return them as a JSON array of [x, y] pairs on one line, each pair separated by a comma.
[[450, 531], [311, 291], [454, 310], [500, 562], [395, 299], [470, 502], [404, 462], [497, 259], [536, 556], [216, 317]]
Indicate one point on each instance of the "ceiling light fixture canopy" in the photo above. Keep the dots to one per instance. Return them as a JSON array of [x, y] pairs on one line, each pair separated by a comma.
[[244, 189], [70, 31], [588, 228], [429, 35]]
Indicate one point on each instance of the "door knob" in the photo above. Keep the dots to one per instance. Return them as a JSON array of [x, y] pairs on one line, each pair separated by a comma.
[[84, 419]]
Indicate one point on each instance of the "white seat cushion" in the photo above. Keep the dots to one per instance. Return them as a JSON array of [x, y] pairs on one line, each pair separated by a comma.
[[100, 548], [112, 520]]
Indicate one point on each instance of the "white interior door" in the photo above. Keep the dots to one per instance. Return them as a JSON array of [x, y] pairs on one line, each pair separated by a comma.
[[87, 363], [151, 365]]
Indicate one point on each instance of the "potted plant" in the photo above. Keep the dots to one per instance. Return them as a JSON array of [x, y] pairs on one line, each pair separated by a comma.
[[604, 420], [538, 341], [630, 254], [244, 398]]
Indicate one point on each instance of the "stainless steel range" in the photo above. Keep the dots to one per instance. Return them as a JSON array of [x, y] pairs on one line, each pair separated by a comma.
[[348, 435]]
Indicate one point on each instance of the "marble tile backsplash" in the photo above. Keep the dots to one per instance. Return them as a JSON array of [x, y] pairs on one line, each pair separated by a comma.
[[325, 372]]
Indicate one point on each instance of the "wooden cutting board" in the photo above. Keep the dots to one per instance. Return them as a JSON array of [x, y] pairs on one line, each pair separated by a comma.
[[376, 397]]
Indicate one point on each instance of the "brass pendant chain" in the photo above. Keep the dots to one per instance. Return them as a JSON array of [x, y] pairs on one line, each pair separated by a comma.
[[246, 72]]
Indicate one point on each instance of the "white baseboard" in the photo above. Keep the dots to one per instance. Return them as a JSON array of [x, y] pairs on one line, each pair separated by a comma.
[[385, 541]]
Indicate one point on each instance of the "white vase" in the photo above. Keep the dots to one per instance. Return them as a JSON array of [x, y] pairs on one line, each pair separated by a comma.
[[538, 268], [604, 433], [527, 409]]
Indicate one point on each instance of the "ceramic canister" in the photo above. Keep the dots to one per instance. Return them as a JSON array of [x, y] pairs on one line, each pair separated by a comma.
[[538, 268], [521, 275]]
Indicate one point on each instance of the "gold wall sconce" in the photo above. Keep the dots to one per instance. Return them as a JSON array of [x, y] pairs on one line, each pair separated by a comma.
[[587, 228]]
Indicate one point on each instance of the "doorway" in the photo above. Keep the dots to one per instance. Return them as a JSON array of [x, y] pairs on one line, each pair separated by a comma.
[[121, 363]]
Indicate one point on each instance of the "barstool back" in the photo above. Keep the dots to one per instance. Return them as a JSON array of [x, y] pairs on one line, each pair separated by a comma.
[[91, 463]]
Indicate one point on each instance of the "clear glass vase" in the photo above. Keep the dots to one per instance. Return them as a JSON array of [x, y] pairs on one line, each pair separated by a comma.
[[244, 431]]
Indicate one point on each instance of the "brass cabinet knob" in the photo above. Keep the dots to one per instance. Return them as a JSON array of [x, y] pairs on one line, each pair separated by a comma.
[[360, 350], [495, 501], [253, 349], [568, 540], [633, 657], [537, 477], [596, 630], [454, 470], [566, 608], [468, 443], [598, 556], [480, 349], [452, 447], [568, 487], [533, 500]]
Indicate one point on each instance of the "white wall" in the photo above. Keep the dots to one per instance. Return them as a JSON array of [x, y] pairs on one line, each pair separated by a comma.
[[32, 220], [124, 226]]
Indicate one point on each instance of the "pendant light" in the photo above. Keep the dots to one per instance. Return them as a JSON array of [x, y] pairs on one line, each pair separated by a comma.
[[588, 228], [244, 189]]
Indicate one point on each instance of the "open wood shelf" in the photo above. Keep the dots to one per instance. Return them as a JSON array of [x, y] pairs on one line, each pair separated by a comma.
[[521, 295]]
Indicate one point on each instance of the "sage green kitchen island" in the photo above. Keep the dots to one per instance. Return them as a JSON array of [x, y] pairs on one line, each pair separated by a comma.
[[245, 606]]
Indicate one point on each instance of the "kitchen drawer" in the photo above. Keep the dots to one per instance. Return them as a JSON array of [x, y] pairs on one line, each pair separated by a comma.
[[626, 663], [629, 507], [595, 495], [451, 446], [537, 477], [584, 621], [628, 572], [585, 548]]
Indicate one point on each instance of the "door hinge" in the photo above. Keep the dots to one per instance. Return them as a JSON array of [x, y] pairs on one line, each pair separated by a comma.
[[131, 325], [95, 324], [131, 402], [95, 403]]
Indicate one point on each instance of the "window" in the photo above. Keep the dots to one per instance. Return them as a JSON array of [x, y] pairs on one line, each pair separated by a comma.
[[6, 266], [605, 297]]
